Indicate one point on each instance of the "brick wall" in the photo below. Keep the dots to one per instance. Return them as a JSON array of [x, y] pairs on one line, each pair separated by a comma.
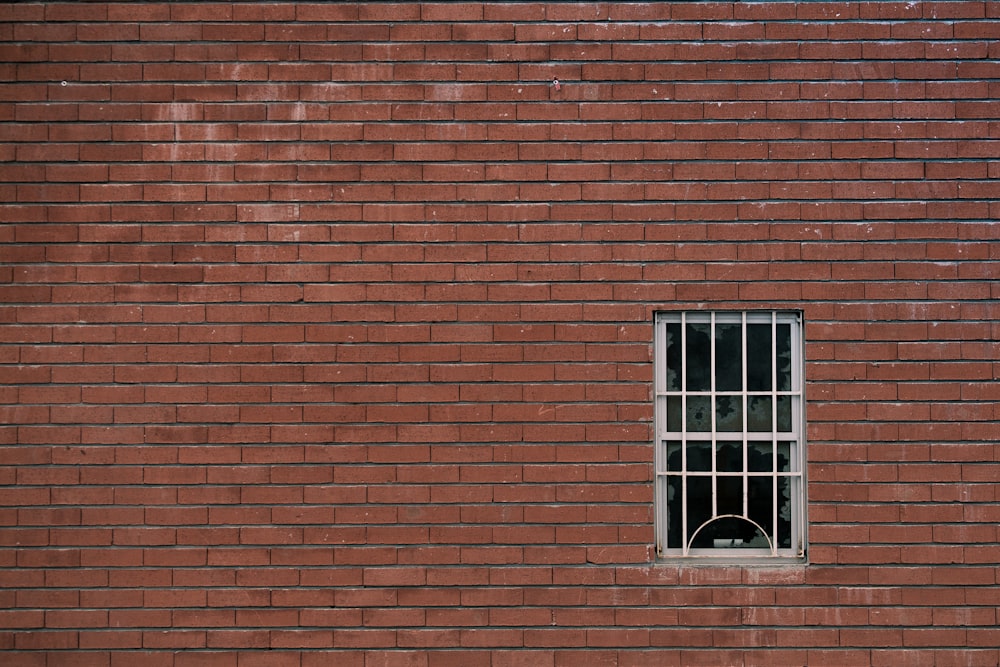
[[328, 326]]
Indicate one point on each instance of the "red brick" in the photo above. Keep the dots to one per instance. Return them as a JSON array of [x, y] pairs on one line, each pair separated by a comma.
[[393, 330]]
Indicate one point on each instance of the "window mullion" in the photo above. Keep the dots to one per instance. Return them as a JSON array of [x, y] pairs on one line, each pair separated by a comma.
[[684, 444], [796, 488], [745, 403], [774, 433], [711, 406]]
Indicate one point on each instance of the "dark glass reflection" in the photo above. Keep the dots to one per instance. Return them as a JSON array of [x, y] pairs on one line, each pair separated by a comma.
[[674, 422], [699, 413], [759, 357], [783, 350], [698, 357], [729, 457], [784, 456], [674, 456], [784, 413], [729, 413], [699, 457], [730, 494], [759, 417], [729, 357], [674, 356], [760, 456]]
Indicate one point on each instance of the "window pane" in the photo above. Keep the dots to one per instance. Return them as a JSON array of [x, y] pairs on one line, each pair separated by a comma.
[[730, 490], [729, 413], [784, 456], [673, 494], [761, 502], [729, 457], [784, 413], [673, 356], [699, 457], [699, 503], [673, 456], [698, 358], [759, 357], [760, 456], [729, 357], [699, 413], [759, 417], [783, 350], [674, 413], [784, 512]]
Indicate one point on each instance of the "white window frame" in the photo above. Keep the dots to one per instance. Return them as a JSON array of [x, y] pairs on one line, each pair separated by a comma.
[[708, 438]]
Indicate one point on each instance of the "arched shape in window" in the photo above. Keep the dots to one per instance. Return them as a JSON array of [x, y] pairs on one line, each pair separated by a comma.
[[730, 531]]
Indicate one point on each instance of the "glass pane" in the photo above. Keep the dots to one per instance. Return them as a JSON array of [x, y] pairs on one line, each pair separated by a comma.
[[759, 414], [729, 357], [698, 357], [699, 457], [673, 494], [699, 503], [759, 357], [784, 512], [674, 423], [730, 494], [761, 502], [673, 356], [729, 457], [699, 413], [784, 456], [760, 456], [674, 457], [729, 413], [784, 404], [783, 350]]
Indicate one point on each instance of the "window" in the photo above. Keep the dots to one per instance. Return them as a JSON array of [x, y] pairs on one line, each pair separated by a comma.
[[729, 435]]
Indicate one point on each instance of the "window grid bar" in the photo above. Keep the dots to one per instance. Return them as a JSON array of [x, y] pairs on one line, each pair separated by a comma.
[[684, 465], [661, 387], [797, 486], [707, 473], [745, 406], [774, 430], [712, 411]]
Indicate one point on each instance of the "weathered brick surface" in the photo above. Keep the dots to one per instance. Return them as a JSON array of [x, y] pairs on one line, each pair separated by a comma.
[[328, 326]]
